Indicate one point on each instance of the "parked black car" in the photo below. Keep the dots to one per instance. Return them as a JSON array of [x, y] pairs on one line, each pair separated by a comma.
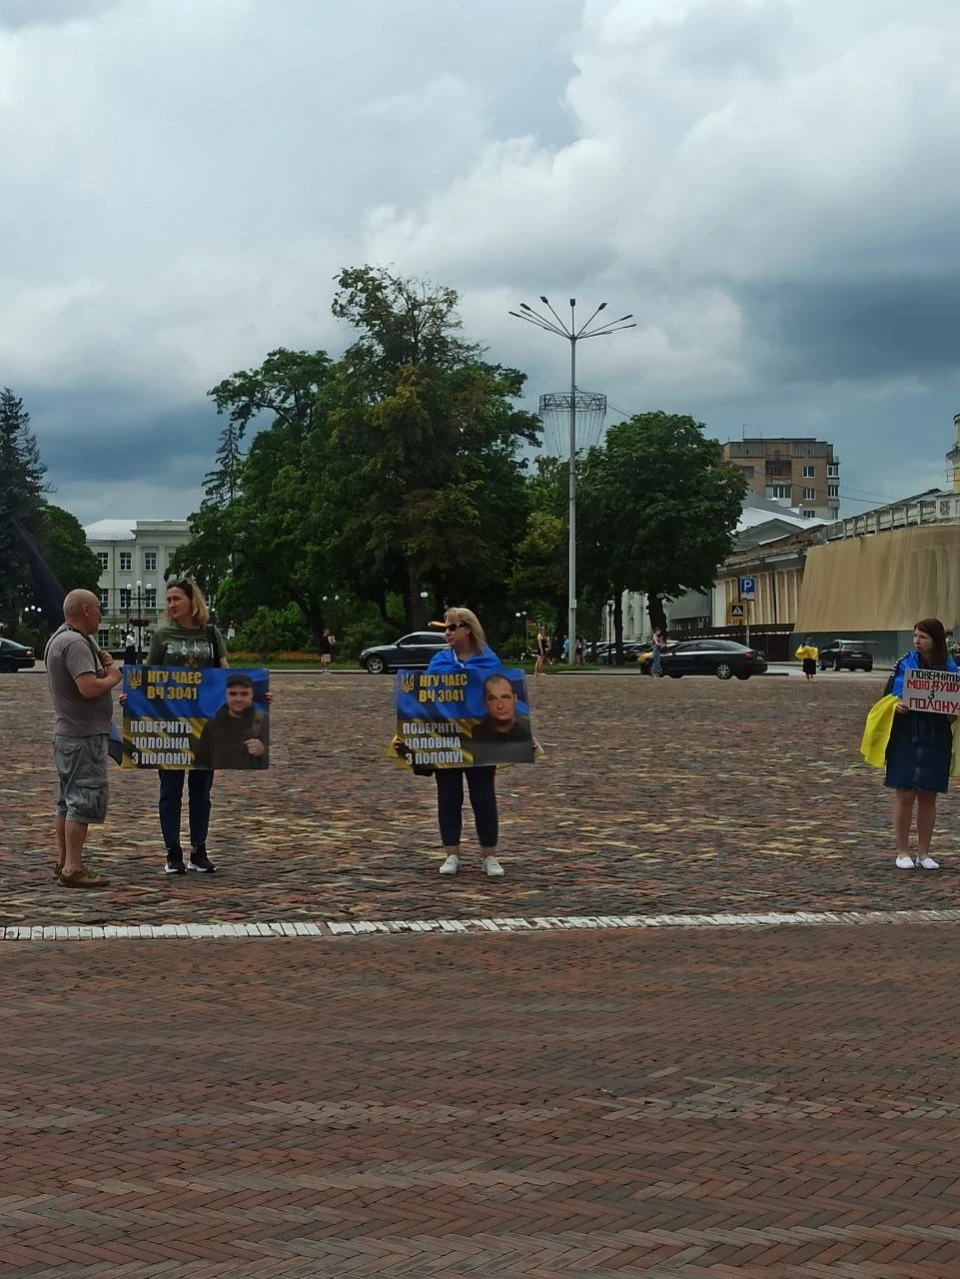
[[720, 657], [846, 655], [15, 657], [412, 652], [605, 653]]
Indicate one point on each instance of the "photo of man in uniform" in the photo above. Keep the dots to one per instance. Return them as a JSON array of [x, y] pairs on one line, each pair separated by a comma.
[[503, 736], [238, 736]]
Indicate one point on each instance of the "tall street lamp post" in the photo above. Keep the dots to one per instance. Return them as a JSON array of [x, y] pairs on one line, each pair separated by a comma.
[[572, 333], [140, 602]]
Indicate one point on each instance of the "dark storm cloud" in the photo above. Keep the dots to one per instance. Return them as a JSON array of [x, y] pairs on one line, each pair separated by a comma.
[[105, 437], [861, 330]]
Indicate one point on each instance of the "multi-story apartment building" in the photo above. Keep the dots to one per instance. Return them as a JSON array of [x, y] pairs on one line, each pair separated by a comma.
[[134, 557], [799, 472]]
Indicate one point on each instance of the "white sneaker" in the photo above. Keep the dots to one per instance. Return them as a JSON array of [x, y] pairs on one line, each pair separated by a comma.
[[928, 863], [904, 862], [451, 865], [492, 868]]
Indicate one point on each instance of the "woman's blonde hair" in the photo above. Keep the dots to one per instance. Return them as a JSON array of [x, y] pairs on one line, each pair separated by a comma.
[[466, 617], [200, 614]]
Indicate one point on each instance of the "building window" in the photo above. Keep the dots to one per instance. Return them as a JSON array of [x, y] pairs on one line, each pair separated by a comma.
[[103, 638], [833, 470], [103, 559], [126, 596], [150, 561], [809, 472], [779, 491], [104, 597], [833, 490], [747, 472], [809, 495], [126, 561], [150, 597], [809, 515], [944, 508]]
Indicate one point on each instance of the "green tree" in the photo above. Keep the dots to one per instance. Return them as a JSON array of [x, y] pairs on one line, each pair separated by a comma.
[[63, 545], [539, 582], [424, 438], [660, 508], [251, 542], [22, 490]]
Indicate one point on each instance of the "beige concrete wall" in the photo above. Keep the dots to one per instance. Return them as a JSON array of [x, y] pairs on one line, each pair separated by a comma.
[[884, 582]]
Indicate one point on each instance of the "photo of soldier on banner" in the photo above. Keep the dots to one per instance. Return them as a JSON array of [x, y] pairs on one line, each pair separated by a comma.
[[457, 719], [176, 717]]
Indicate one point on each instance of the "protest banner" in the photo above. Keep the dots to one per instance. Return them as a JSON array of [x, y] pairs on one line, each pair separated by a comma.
[[456, 719], [179, 718], [936, 692]]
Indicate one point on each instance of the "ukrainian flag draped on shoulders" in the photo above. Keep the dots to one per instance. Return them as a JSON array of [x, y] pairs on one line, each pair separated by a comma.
[[879, 725]]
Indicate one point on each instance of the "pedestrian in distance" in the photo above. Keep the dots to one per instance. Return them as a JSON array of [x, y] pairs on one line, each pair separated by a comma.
[[808, 654], [81, 679], [467, 647], [656, 660], [541, 651], [578, 651], [186, 638], [327, 643], [919, 751], [130, 650]]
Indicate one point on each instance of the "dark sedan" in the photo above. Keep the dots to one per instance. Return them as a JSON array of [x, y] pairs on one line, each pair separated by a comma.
[[15, 657], [412, 652], [724, 658], [846, 655]]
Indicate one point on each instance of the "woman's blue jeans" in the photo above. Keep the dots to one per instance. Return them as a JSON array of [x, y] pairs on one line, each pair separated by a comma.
[[199, 785]]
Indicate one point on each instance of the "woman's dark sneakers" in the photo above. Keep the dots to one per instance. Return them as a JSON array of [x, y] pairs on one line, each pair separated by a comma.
[[175, 864], [200, 861]]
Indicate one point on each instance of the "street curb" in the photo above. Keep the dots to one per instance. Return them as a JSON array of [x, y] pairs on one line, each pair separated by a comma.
[[334, 929]]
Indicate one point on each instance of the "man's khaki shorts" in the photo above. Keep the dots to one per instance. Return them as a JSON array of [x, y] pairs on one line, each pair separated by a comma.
[[82, 769]]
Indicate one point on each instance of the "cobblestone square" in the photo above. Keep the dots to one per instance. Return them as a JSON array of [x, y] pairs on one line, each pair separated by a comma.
[[671, 796], [725, 1103]]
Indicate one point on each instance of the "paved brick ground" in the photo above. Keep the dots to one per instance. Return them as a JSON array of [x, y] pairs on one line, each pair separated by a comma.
[[655, 796], [716, 1105]]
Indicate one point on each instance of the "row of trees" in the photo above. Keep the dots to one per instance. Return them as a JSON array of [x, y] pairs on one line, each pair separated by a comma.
[[368, 492], [398, 479], [31, 527]]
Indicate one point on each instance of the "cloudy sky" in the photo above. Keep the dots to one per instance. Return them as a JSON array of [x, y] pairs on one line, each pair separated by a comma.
[[770, 186]]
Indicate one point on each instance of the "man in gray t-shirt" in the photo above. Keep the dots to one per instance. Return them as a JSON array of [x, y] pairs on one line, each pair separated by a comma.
[[81, 680]]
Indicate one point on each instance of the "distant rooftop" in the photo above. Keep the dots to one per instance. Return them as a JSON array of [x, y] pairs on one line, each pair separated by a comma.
[[126, 530]]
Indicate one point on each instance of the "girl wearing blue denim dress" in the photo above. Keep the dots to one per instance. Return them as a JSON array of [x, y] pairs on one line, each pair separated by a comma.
[[919, 751]]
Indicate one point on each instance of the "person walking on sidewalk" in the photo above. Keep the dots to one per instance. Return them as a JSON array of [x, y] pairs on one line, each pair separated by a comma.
[[659, 645], [919, 750], [81, 680], [541, 651], [186, 638], [467, 646], [808, 653], [327, 643]]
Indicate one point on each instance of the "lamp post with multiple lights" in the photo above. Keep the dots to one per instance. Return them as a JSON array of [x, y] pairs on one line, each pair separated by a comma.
[[572, 333]]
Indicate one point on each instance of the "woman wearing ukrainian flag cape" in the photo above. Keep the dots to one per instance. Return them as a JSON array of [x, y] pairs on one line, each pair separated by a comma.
[[917, 748]]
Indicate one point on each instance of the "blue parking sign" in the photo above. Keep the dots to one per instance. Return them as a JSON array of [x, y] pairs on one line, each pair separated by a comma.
[[747, 588]]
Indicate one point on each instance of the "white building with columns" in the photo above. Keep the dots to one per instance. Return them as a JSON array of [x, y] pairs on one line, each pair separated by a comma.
[[134, 558]]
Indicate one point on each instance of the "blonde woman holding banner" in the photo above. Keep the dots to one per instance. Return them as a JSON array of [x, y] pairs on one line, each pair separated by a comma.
[[467, 646]]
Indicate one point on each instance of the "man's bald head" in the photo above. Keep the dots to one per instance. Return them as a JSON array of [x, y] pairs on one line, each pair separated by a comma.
[[81, 609]]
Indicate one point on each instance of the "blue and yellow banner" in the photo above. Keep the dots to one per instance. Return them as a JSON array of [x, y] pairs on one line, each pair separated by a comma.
[[179, 718], [460, 718]]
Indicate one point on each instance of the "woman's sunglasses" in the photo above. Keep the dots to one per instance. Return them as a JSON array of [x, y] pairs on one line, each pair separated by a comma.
[[455, 626]]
